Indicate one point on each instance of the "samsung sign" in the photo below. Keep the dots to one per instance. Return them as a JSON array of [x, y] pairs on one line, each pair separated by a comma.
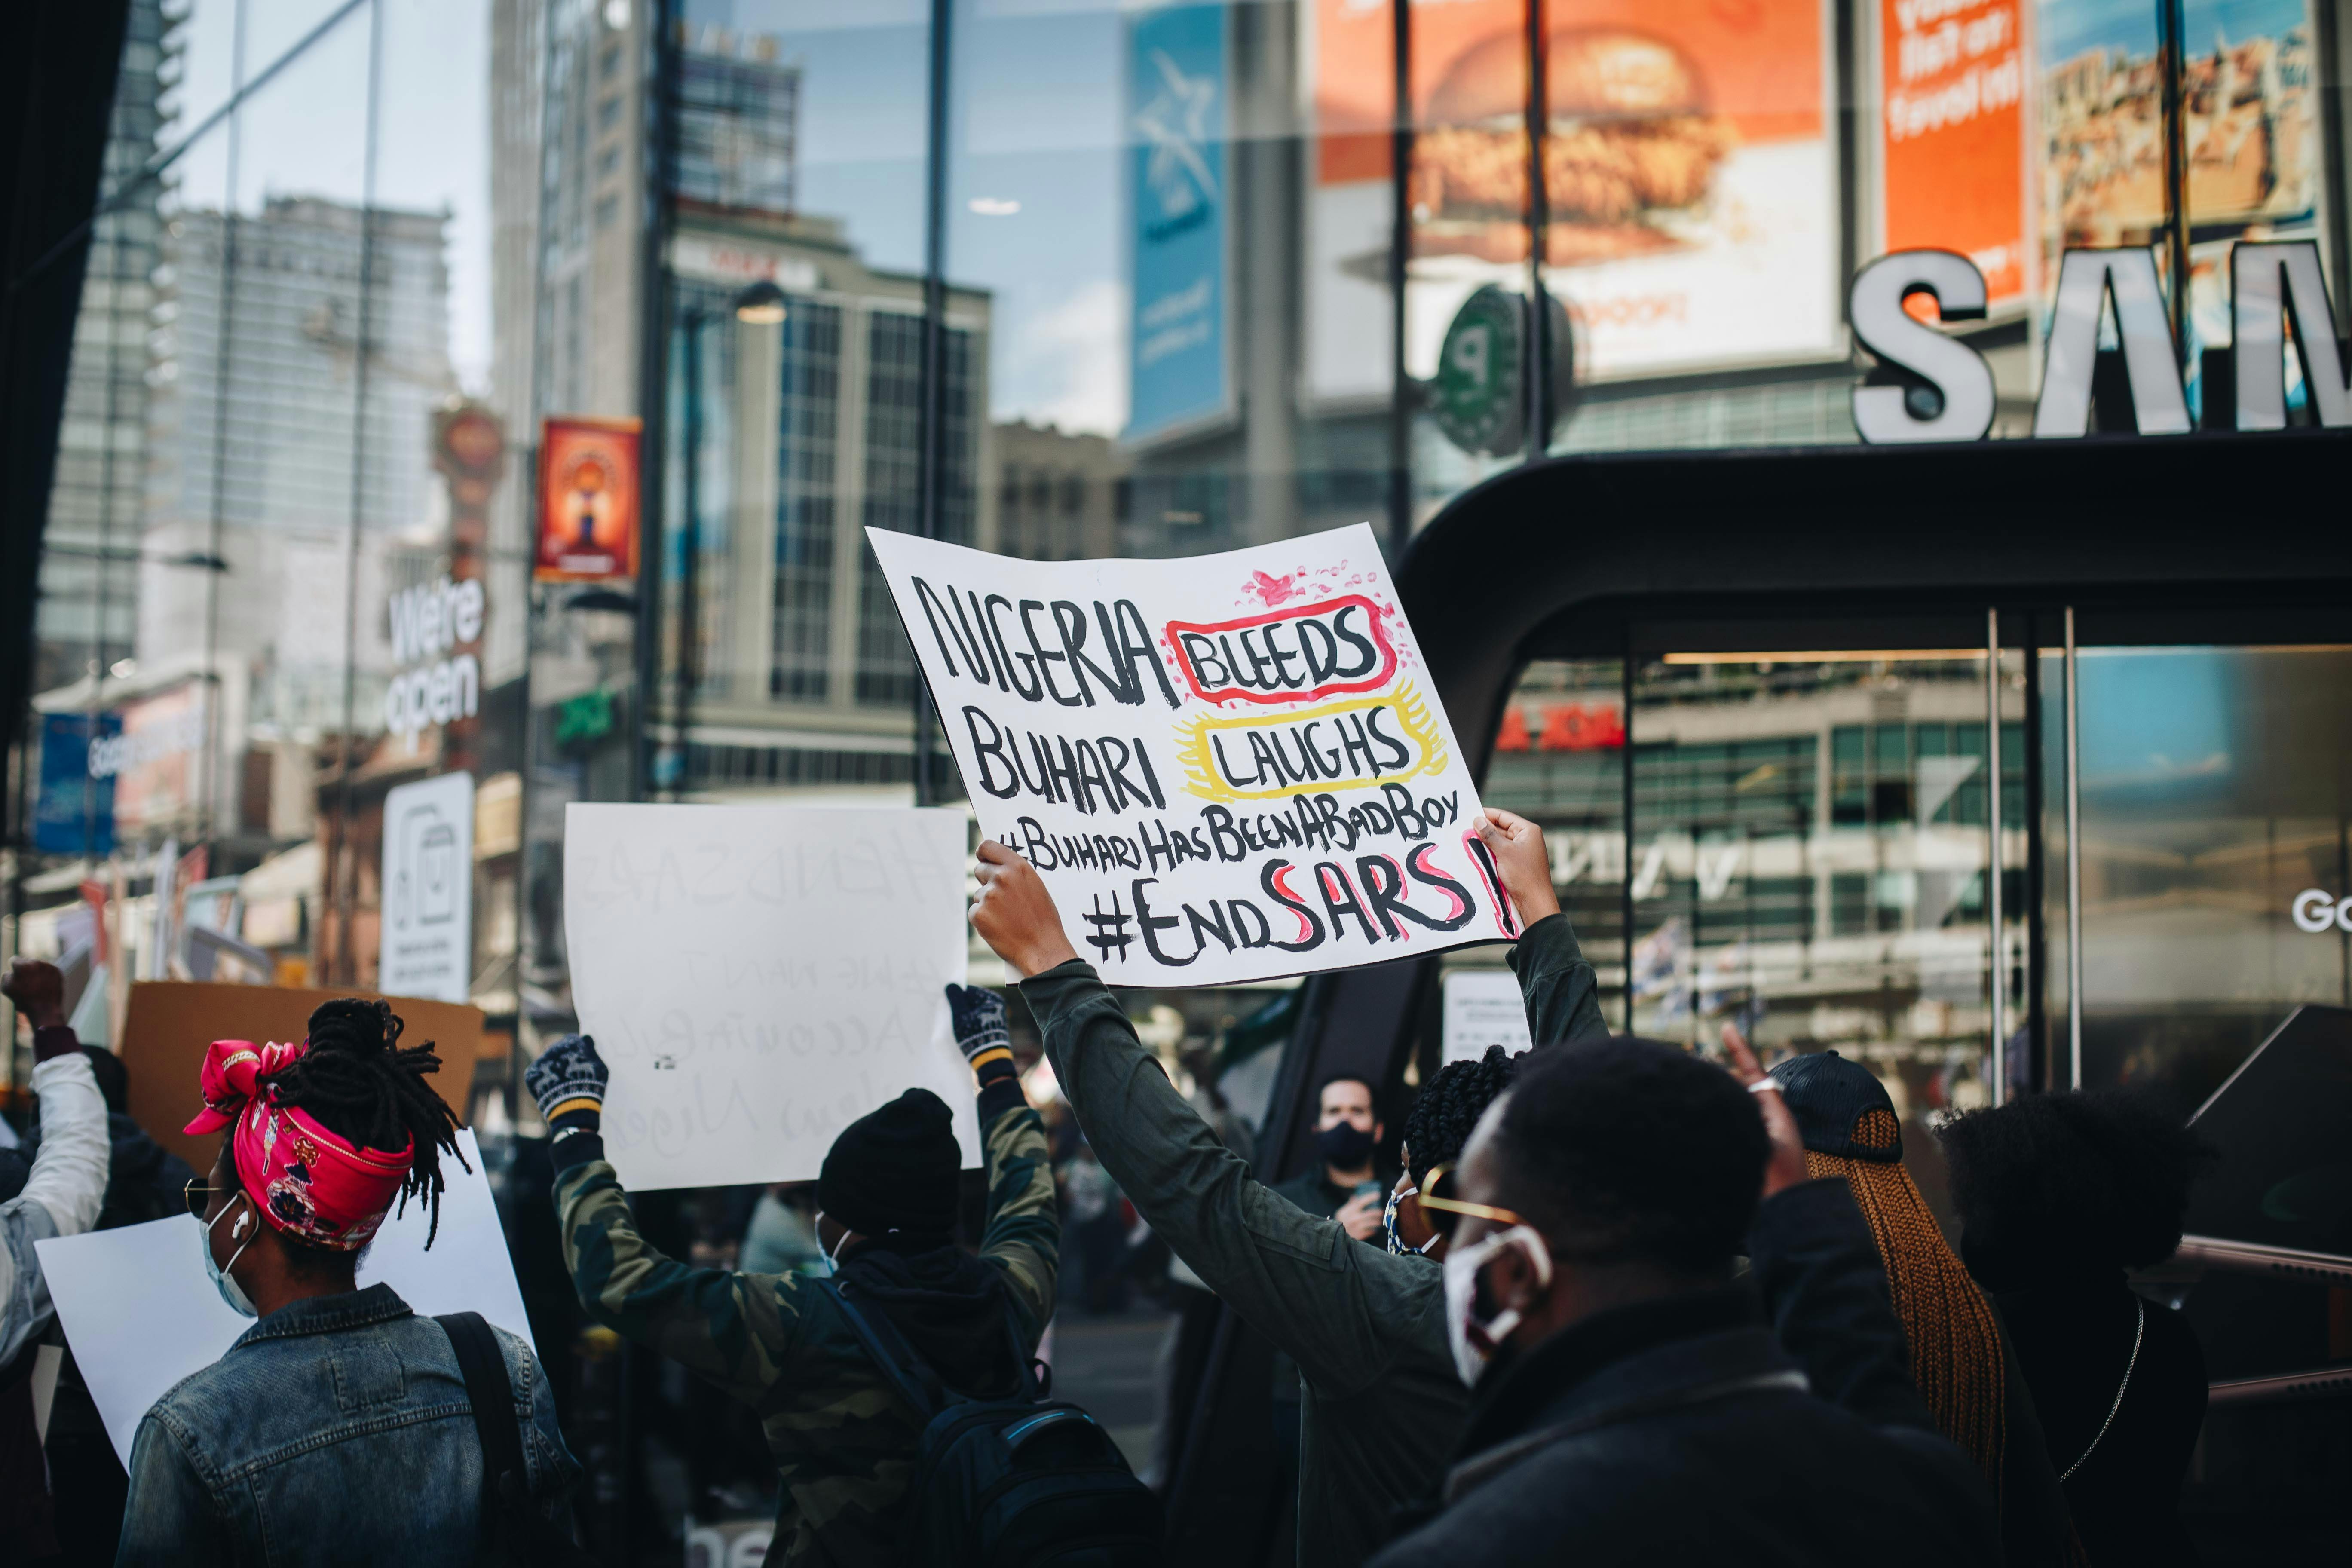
[[2271, 283]]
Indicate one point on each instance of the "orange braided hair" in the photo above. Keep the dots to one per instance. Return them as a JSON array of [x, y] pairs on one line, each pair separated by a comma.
[[1955, 1346]]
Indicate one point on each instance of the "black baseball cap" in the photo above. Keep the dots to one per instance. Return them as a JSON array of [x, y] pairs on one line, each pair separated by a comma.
[[1829, 1094]]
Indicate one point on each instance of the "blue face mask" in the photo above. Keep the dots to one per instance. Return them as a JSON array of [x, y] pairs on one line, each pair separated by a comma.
[[230, 1290]]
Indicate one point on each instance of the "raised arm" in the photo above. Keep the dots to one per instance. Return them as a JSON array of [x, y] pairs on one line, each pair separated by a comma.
[[724, 1325], [1563, 995], [67, 1186], [1816, 1267], [1023, 1233], [1296, 1278]]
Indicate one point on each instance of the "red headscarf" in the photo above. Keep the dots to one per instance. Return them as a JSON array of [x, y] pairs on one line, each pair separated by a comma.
[[306, 1181]]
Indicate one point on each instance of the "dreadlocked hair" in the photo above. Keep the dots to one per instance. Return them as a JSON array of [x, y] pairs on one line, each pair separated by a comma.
[[1450, 1104], [1953, 1341], [364, 1084]]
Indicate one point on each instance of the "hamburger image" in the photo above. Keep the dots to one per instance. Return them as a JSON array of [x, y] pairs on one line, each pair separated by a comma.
[[1633, 139]]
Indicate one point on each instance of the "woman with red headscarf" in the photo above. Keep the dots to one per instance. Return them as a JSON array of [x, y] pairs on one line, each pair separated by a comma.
[[338, 1427]]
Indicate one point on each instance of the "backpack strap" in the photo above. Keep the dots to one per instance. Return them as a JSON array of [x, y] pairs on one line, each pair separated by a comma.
[[484, 1366], [889, 1351], [508, 1511], [1032, 1386]]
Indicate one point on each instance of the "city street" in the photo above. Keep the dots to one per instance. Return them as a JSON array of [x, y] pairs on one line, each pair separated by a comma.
[[1106, 1365]]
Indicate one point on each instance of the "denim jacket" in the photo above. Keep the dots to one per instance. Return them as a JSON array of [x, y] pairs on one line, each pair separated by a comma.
[[336, 1430]]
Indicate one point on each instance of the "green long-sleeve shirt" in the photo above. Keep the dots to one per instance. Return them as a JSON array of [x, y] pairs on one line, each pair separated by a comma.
[[1382, 1404]]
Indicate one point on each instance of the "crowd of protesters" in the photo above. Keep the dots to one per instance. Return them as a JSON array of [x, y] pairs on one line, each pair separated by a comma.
[[1614, 1302]]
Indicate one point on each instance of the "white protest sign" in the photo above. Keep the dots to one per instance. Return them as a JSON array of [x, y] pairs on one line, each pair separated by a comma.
[[757, 977], [1483, 1007], [141, 1313], [427, 941], [1227, 768]]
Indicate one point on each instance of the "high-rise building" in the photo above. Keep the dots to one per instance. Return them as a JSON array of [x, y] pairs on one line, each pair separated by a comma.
[[571, 93], [90, 587], [807, 433], [737, 124], [266, 409], [810, 433], [1060, 494]]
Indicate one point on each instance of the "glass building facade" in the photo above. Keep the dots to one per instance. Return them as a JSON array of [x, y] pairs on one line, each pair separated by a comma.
[[1082, 277]]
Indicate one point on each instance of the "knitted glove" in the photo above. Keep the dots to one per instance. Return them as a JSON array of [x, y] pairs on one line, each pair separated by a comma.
[[979, 1015], [568, 1081], [980, 1034]]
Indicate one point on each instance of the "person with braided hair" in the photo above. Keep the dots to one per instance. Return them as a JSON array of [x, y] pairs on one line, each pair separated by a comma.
[[338, 1427], [1959, 1355], [1380, 1398], [1439, 1124], [1633, 1404]]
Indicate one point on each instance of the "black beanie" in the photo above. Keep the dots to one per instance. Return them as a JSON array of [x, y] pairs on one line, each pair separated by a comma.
[[895, 1171], [1828, 1095]]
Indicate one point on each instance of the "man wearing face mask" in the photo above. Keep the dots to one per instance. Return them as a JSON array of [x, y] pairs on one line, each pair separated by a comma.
[[1632, 1404], [340, 1427], [1344, 1186], [1382, 1402], [844, 1439]]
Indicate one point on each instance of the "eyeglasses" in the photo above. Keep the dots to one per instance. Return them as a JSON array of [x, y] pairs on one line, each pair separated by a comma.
[[1446, 1221], [198, 1194]]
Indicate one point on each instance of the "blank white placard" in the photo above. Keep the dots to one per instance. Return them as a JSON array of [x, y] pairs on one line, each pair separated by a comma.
[[757, 977]]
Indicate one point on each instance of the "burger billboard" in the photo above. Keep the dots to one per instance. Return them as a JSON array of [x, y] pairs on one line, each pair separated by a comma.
[[1690, 171]]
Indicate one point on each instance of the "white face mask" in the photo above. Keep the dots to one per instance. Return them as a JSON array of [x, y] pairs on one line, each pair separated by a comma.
[[1475, 1342], [833, 1256], [223, 1281]]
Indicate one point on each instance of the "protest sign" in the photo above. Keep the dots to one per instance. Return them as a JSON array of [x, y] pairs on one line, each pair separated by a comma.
[[1482, 1007], [141, 1312], [757, 977], [171, 1022], [1227, 768]]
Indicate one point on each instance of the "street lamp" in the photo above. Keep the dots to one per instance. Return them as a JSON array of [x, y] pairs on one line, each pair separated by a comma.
[[758, 304]]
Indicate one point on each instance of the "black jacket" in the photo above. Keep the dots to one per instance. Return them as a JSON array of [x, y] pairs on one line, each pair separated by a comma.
[[2074, 1341], [1682, 1431]]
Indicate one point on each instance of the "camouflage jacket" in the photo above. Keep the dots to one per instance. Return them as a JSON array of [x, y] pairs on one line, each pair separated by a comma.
[[843, 1440]]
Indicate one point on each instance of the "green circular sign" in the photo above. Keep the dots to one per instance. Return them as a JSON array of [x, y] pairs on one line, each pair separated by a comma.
[[1476, 397]]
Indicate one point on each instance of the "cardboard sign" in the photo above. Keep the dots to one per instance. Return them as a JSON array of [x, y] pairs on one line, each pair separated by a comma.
[[757, 977], [1228, 768], [171, 1022], [141, 1313]]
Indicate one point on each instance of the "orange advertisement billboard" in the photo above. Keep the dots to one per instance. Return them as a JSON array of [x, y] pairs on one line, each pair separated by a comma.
[[588, 499], [1952, 80], [1689, 172]]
